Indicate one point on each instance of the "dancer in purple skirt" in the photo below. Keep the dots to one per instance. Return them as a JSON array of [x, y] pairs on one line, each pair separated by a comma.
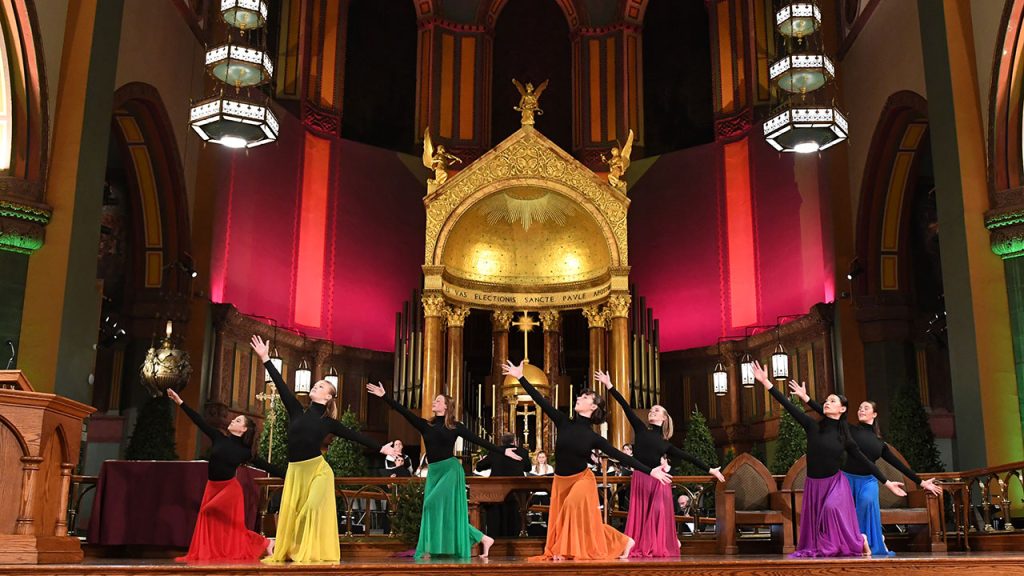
[[828, 521], [651, 521]]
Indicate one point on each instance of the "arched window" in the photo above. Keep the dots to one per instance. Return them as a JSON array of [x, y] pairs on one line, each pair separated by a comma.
[[6, 109]]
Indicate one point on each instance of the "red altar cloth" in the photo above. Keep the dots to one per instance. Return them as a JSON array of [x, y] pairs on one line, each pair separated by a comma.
[[152, 503]]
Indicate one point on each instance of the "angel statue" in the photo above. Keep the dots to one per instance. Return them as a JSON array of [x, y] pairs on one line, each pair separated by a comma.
[[529, 100], [618, 162], [437, 159]]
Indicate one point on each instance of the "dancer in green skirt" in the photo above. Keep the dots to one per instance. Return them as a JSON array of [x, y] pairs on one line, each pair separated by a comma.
[[444, 528]]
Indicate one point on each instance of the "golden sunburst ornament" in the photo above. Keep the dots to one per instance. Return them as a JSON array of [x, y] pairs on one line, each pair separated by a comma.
[[529, 206]]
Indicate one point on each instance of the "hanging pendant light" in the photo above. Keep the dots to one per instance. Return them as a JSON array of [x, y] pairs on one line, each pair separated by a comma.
[[332, 377], [804, 118], [720, 380], [800, 73], [239, 66], [244, 14], [303, 378], [235, 122], [747, 371], [278, 363], [798, 19], [780, 363], [165, 366]]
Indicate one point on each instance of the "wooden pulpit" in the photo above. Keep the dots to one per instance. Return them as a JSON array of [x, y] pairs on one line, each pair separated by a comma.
[[40, 435]]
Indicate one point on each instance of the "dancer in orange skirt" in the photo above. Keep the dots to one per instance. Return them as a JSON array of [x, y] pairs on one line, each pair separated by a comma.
[[220, 534], [575, 528]]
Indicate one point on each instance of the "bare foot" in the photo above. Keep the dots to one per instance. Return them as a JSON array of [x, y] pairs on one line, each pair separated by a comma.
[[425, 556], [487, 543], [270, 546], [629, 548], [557, 558], [867, 547]]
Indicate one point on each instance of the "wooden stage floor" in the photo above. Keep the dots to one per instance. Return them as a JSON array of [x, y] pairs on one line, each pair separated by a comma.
[[961, 564]]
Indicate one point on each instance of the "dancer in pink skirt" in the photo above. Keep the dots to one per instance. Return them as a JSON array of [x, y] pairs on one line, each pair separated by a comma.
[[651, 521]]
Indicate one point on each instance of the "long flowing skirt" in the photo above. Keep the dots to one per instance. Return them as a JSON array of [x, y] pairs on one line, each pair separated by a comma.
[[651, 521], [444, 527], [220, 534], [869, 514], [575, 529], [828, 522], [307, 526]]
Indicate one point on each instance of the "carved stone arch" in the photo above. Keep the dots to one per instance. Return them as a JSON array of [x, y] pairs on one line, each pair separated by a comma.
[[22, 184], [1006, 161], [574, 13], [889, 174], [144, 134]]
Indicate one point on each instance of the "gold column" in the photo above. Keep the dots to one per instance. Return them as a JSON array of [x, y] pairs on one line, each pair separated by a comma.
[[433, 350], [455, 317], [596, 319], [618, 310], [552, 323], [500, 320]]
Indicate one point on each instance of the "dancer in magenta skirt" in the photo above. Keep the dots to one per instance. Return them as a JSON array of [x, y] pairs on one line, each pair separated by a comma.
[[651, 521]]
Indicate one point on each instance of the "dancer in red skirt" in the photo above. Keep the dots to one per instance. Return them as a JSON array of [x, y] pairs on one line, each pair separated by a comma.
[[651, 521], [220, 534]]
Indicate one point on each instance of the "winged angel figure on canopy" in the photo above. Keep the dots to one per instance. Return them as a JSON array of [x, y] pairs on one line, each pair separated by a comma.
[[437, 159], [618, 163]]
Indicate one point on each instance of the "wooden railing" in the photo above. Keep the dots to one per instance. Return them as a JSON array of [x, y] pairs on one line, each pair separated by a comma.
[[982, 501]]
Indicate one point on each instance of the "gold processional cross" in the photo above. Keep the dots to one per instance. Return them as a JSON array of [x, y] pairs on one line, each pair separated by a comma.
[[272, 395], [526, 324]]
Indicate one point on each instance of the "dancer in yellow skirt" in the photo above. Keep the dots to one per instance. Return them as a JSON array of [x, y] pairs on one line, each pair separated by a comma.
[[307, 526]]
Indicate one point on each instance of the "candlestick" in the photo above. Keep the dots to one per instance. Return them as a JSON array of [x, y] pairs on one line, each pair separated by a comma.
[[494, 400]]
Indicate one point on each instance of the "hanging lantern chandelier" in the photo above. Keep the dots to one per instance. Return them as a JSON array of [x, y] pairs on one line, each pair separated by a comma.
[[805, 119], [747, 371], [247, 14], [780, 363], [720, 380], [238, 118], [303, 378], [165, 366]]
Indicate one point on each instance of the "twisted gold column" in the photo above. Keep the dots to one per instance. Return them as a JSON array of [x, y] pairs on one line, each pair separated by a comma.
[[455, 317], [433, 351], [618, 310]]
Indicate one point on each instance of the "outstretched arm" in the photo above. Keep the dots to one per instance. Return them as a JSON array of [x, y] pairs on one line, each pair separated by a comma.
[[516, 371], [761, 375], [273, 470], [472, 438], [634, 420], [291, 403], [680, 453], [801, 392], [898, 464], [605, 446], [414, 419], [342, 431], [194, 416]]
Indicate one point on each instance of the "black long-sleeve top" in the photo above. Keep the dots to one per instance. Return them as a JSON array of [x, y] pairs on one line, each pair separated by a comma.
[[576, 439], [227, 452], [438, 438], [873, 448], [825, 448], [649, 443], [501, 465], [308, 427]]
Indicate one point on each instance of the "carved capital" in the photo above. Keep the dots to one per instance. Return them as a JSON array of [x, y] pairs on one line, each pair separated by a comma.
[[618, 305], [455, 316], [500, 319], [551, 320], [433, 306], [597, 317]]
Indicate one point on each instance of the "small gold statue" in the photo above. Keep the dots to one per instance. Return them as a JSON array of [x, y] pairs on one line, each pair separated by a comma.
[[529, 101], [437, 159], [618, 163]]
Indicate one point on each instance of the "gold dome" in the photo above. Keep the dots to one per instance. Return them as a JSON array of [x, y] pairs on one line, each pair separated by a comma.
[[526, 236], [510, 386]]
